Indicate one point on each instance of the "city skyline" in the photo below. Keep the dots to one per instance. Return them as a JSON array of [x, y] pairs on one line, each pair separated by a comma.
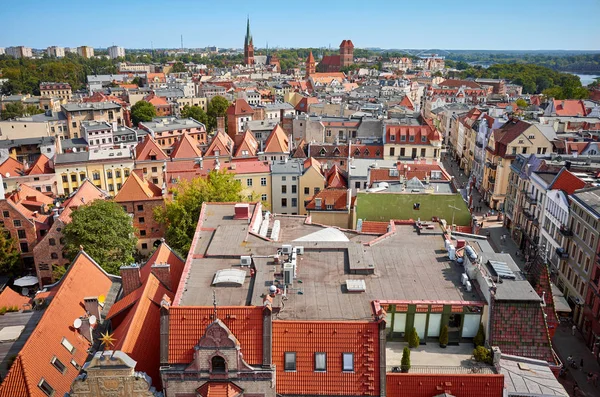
[[437, 26]]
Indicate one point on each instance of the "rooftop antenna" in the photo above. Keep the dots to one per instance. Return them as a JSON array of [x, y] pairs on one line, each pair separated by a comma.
[[215, 303], [181, 42]]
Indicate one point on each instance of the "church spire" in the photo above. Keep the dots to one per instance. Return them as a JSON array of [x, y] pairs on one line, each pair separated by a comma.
[[248, 35]]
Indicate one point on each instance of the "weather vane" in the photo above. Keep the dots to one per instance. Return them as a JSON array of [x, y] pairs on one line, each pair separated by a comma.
[[108, 340]]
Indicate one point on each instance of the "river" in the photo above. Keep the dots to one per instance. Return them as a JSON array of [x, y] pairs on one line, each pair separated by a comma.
[[586, 78]]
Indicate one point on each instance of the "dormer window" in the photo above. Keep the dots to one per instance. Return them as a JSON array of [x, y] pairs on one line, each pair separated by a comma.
[[218, 365]]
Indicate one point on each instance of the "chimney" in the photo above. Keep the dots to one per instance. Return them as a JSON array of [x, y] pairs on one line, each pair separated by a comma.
[[267, 333], [86, 330], [242, 211], [130, 278], [92, 306], [221, 124], [162, 271]]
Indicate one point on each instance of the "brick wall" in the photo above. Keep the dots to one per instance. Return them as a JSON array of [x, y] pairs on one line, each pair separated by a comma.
[[48, 252], [21, 229], [148, 230]]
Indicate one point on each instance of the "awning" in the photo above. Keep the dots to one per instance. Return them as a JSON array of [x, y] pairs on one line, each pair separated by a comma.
[[26, 281], [560, 303]]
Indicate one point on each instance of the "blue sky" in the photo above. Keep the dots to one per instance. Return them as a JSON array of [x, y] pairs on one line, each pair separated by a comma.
[[445, 24]]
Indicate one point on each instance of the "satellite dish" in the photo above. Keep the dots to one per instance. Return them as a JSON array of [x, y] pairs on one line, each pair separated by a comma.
[[7, 174], [93, 319], [101, 299], [77, 323]]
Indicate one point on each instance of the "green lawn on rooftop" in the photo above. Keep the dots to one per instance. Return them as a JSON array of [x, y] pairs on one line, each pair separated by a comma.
[[382, 207]]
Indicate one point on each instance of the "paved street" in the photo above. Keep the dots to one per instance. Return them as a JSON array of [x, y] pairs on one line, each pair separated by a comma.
[[564, 342]]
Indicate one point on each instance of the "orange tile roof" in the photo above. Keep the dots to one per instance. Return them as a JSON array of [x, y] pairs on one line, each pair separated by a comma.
[[375, 227], [278, 141], [86, 193], [10, 298], [11, 167], [186, 148], [158, 77], [306, 338], [219, 389], [138, 189], [569, 107], [164, 254], [311, 58], [429, 385], [248, 144], [407, 103], [338, 198], [138, 334], [100, 97], [147, 148], [239, 107], [156, 100], [221, 142], [187, 324], [248, 166], [84, 278], [459, 83], [125, 303], [41, 166], [336, 178], [312, 162]]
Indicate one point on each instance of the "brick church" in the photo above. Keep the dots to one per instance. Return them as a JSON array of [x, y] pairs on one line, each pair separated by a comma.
[[334, 63]]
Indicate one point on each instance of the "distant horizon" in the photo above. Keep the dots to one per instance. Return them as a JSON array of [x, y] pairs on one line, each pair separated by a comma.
[[437, 24]]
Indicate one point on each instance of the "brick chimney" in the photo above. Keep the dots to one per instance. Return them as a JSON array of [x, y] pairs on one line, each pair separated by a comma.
[[92, 306], [165, 304], [221, 124], [130, 278], [162, 271]]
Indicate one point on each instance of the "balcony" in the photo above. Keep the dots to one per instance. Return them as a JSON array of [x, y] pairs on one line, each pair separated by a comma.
[[530, 199], [491, 165], [479, 144], [491, 179], [562, 253], [565, 231], [529, 215], [596, 284]]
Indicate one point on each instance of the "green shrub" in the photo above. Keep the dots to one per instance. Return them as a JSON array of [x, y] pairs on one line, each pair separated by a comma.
[[413, 338], [2, 310], [444, 335], [15, 308], [479, 339], [405, 363], [482, 355]]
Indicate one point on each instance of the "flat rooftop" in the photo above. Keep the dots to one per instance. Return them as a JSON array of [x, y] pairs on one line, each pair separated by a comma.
[[8, 349], [402, 266]]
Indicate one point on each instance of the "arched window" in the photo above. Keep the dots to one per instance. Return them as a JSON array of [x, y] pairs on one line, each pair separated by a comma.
[[218, 364], [54, 255], [52, 241]]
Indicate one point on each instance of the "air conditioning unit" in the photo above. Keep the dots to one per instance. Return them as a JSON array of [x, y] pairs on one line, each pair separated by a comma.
[[469, 286], [464, 279], [245, 261], [286, 249], [300, 250], [288, 274]]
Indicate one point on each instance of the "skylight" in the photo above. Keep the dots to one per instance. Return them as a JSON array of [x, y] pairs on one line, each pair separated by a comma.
[[229, 276]]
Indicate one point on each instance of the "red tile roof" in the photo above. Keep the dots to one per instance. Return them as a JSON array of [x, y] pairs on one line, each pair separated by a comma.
[[248, 166], [331, 60], [187, 324], [337, 198], [85, 194], [419, 132], [156, 101], [136, 188], [567, 182], [84, 278], [219, 389], [278, 141], [100, 97], [306, 338], [459, 83], [303, 104], [569, 107], [407, 103], [311, 58], [375, 227], [239, 107], [336, 178], [186, 148], [519, 328], [156, 77], [138, 334], [341, 151], [577, 147], [221, 142], [248, 144], [11, 168], [430, 385], [147, 148], [10, 298], [41, 166]]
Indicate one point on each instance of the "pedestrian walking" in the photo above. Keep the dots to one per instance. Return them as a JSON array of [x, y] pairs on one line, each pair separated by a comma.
[[573, 328]]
